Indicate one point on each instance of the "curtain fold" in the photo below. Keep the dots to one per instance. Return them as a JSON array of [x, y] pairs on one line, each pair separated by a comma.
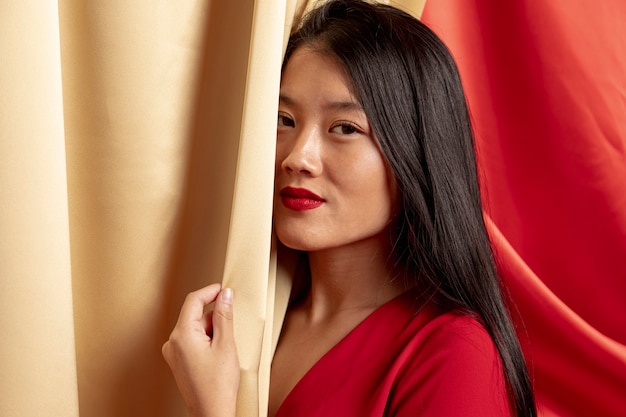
[[131, 72], [247, 266], [37, 355]]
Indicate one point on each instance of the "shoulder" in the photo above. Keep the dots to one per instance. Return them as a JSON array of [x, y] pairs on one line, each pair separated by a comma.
[[452, 335], [451, 367]]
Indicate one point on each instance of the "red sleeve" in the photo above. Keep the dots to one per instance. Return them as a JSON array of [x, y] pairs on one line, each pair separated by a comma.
[[454, 371]]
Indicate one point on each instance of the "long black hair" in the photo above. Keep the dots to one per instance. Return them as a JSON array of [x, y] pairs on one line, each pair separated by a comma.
[[410, 89]]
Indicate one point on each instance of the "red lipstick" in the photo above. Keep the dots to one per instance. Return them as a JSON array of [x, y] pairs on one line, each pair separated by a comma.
[[300, 199]]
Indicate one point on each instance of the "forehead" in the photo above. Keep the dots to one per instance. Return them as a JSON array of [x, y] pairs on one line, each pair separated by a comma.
[[310, 71]]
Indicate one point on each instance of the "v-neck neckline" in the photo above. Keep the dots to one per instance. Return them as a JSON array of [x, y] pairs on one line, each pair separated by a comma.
[[396, 301]]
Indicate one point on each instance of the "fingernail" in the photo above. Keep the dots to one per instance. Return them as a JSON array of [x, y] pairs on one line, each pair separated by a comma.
[[227, 296]]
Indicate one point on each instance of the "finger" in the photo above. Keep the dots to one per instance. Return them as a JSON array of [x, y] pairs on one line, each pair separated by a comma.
[[223, 332], [207, 323], [193, 307]]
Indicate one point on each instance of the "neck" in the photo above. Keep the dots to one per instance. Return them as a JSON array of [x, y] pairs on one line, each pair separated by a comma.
[[355, 277]]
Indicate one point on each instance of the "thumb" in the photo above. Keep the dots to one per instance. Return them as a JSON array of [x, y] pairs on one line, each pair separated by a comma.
[[223, 332]]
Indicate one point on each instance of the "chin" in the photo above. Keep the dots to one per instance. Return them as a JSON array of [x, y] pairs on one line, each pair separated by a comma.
[[296, 241]]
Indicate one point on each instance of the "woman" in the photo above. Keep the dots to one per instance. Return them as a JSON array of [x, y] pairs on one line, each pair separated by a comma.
[[398, 310]]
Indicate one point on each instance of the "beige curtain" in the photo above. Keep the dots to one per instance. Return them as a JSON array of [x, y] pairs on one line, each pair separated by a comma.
[[136, 165]]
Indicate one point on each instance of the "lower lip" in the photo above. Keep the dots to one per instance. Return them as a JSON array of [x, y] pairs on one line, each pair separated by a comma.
[[300, 204]]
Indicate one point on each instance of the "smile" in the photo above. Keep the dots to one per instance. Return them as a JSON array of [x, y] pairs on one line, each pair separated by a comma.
[[300, 199]]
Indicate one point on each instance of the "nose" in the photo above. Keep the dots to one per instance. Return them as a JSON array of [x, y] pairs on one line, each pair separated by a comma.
[[301, 153]]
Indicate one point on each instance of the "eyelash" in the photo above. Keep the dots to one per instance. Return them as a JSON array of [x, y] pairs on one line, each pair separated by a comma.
[[282, 118], [353, 127], [286, 121]]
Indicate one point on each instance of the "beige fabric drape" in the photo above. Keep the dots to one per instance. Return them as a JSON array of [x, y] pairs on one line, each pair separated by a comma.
[[136, 165], [37, 359]]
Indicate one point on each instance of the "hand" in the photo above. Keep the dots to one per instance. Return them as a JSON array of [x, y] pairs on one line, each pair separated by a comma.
[[202, 354]]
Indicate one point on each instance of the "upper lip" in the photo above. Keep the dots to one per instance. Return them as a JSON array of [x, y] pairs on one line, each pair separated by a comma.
[[299, 193]]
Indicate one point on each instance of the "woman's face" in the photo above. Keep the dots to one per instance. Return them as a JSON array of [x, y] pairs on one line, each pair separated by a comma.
[[333, 188]]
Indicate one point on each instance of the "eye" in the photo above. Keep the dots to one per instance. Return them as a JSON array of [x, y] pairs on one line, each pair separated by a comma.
[[345, 128], [285, 121]]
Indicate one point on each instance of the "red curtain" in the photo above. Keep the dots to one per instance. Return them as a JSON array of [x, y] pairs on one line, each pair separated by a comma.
[[546, 84]]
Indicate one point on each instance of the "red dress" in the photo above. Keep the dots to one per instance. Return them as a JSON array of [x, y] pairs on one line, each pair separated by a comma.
[[401, 363]]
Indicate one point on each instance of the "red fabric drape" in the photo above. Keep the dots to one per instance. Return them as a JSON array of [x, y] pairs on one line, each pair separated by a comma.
[[546, 84]]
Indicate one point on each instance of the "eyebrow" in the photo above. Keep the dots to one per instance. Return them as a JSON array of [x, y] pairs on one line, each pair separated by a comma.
[[333, 105]]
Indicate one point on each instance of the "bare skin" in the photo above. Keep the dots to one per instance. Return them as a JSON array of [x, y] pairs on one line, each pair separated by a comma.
[[202, 354]]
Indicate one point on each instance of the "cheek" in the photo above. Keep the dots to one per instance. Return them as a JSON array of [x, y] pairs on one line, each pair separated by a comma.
[[388, 190], [283, 148], [393, 190], [377, 188], [279, 158]]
